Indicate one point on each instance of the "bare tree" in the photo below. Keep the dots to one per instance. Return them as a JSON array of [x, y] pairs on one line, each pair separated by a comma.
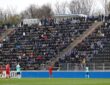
[[1, 16], [72, 7], [80, 6], [46, 10], [61, 8], [32, 10], [37, 12], [25, 14], [57, 9], [109, 8], [9, 16], [86, 6]]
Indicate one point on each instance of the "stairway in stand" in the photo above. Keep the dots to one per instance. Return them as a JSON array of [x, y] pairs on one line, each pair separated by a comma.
[[78, 40]]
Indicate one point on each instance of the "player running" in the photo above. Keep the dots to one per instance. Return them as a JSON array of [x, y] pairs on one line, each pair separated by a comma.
[[18, 70]]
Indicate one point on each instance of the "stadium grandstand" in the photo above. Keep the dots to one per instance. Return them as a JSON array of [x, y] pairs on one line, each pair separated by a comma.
[[79, 43], [69, 44]]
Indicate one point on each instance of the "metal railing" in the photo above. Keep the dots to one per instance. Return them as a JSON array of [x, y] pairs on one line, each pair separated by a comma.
[[92, 66], [80, 67]]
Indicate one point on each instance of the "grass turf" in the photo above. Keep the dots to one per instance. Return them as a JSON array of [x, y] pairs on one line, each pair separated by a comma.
[[47, 81]]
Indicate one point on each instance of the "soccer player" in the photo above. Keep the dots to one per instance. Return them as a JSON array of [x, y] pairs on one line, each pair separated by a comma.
[[87, 72], [8, 71], [50, 71], [1, 71], [18, 70]]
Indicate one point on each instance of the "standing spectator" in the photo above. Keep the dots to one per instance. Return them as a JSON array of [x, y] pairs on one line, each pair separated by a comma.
[[83, 63], [1, 45]]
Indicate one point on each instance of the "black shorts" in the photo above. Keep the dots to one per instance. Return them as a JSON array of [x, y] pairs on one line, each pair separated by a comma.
[[87, 73], [18, 73]]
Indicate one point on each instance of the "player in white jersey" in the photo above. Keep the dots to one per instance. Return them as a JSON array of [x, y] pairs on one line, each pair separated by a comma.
[[87, 72], [18, 70]]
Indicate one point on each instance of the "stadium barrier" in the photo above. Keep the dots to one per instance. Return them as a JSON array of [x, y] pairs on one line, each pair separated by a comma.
[[65, 74], [59, 74], [12, 74]]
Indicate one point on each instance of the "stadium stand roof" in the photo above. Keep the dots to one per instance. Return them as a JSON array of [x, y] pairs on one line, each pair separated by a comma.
[[70, 15]]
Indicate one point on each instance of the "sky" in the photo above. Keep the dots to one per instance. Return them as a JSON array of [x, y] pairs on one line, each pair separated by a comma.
[[21, 5]]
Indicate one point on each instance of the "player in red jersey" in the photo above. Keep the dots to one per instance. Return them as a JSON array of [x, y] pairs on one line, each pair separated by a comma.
[[7, 71], [50, 71], [1, 70]]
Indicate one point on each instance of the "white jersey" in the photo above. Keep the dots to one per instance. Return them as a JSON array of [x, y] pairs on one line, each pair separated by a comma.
[[87, 69], [18, 69]]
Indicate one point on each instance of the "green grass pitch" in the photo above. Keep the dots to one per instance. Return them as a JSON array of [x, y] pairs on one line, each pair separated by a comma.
[[47, 81]]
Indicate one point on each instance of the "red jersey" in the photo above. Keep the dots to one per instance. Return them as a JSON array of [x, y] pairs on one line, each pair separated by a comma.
[[50, 70], [1, 69], [7, 69]]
